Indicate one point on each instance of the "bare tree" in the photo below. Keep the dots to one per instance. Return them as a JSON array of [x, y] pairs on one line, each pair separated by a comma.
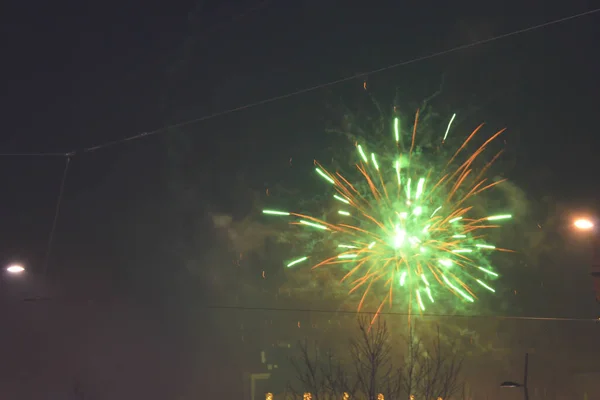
[[309, 372], [425, 370], [340, 383], [322, 376], [431, 372], [372, 358]]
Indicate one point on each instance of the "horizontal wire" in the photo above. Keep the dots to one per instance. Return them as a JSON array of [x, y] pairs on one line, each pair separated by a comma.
[[306, 90], [34, 154], [341, 80], [423, 315]]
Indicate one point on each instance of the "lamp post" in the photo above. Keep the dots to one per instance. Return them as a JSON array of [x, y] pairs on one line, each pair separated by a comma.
[[523, 385], [587, 225]]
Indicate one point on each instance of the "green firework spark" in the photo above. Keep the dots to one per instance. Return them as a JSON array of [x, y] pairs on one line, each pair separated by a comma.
[[408, 227]]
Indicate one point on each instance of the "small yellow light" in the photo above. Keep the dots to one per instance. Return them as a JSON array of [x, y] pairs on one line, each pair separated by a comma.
[[380, 396], [269, 396], [307, 396]]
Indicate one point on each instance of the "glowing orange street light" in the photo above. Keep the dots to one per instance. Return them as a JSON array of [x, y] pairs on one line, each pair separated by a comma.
[[583, 224]]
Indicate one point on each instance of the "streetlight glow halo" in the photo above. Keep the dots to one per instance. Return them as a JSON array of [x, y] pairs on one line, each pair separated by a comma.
[[583, 224]]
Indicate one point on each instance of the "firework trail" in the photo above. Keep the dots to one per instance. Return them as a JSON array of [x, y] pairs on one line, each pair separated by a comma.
[[408, 227]]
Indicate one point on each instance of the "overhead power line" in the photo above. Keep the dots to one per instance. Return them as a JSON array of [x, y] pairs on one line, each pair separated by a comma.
[[71, 154], [308, 89], [33, 154], [59, 198], [405, 314], [341, 80]]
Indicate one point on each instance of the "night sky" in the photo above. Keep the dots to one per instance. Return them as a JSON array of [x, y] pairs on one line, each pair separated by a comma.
[[122, 310]]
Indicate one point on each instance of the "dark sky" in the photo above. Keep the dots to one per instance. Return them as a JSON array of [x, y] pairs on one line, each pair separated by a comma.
[[125, 304]]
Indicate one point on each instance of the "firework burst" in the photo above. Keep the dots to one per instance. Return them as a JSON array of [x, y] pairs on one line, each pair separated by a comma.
[[408, 226]]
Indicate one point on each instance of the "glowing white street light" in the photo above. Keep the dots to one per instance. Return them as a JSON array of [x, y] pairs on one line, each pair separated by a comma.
[[15, 269], [583, 224]]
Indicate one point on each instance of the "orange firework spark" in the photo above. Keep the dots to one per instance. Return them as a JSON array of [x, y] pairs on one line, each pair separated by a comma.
[[408, 228]]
